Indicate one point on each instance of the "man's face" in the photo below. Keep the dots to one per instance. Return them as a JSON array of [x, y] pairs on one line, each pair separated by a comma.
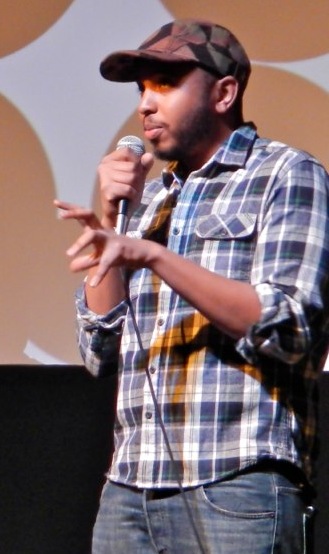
[[178, 114]]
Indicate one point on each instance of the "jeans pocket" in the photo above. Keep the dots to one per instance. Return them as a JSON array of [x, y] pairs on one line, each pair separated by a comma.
[[240, 515], [245, 496]]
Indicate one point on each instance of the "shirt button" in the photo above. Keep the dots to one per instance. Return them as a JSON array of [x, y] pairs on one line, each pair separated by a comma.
[[152, 369], [223, 233], [160, 322], [176, 231], [148, 415]]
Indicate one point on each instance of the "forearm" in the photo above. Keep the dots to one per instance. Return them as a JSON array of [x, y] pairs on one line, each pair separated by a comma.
[[230, 305], [108, 294]]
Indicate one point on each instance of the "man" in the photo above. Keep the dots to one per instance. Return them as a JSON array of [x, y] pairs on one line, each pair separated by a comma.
[[213, 309]]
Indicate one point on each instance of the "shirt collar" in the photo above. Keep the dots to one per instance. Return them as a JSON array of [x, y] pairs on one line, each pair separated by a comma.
[[236, 149], [233, 152]]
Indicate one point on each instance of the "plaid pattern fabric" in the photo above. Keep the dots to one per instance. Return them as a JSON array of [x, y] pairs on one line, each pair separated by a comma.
[[256, 212]]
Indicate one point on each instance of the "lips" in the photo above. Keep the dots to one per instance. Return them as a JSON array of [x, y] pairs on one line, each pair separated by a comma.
[[152, 130], [152, 134]]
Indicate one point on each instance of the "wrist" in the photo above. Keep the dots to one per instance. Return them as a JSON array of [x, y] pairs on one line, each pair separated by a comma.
[[155, 254], [108, 222]]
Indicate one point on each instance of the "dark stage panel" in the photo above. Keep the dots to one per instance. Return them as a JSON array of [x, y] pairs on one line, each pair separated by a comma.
[[55, 444]]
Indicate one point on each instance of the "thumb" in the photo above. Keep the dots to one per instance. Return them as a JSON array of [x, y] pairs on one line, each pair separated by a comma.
[[147, 161]]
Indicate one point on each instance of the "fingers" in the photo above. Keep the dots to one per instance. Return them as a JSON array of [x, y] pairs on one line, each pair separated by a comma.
[[94, 236], [102, 255], [112, 256], [122, 175], [147, 161], [66, 207], [90, 237], [84, 216], [83, 263], [108, 250]]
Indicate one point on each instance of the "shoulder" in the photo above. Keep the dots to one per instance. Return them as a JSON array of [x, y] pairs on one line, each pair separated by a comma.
[[287, 153], [279, 158]]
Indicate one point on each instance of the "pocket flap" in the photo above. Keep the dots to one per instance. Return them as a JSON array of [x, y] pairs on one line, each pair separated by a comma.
[[226, 227]]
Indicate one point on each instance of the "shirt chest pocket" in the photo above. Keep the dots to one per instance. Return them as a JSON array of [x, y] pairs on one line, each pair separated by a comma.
[[227, 243]]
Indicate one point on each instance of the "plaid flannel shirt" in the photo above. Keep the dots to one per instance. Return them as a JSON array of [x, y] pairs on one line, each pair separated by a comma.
[[256, 212]]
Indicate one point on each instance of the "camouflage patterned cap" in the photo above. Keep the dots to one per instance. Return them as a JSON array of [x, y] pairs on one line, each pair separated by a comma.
[[202, 43]]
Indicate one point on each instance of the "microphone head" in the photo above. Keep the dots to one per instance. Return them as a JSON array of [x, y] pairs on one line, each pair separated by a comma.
[[134, 143]]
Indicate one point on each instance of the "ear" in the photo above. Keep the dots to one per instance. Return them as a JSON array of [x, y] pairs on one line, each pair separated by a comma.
[[226, 90]]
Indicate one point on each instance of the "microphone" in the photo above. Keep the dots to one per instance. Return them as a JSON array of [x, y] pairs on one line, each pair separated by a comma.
[[136, 145]]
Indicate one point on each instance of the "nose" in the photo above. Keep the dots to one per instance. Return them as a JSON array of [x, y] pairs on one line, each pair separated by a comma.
[[147, 103]]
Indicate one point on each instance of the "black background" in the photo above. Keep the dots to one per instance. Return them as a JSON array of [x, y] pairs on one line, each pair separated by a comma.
[[55, 445]]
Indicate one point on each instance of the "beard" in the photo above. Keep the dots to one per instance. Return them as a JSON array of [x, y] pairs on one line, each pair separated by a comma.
[[192, 136]]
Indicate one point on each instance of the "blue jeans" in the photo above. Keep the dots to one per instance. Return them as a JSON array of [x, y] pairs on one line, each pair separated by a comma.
[[253, 513]]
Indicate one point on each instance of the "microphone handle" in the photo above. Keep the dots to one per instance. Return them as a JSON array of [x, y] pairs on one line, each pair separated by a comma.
[[122, 217], [137, 145]]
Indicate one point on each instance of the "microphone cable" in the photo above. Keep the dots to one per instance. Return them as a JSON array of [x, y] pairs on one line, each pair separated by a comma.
[[137, 145], [162, 426]]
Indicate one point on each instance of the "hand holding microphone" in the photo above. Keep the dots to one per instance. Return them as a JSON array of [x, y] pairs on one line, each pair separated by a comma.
[[117, 173], [137, 146]]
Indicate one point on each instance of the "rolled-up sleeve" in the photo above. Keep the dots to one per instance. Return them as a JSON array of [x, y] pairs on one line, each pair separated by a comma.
[[98, 336], [291, 266]]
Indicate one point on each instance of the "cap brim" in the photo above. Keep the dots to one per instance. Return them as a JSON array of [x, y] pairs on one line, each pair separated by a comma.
[[129, 65]]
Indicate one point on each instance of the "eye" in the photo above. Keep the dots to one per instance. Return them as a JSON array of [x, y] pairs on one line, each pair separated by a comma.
[[158, 83], [161, 87], [165, 82]]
